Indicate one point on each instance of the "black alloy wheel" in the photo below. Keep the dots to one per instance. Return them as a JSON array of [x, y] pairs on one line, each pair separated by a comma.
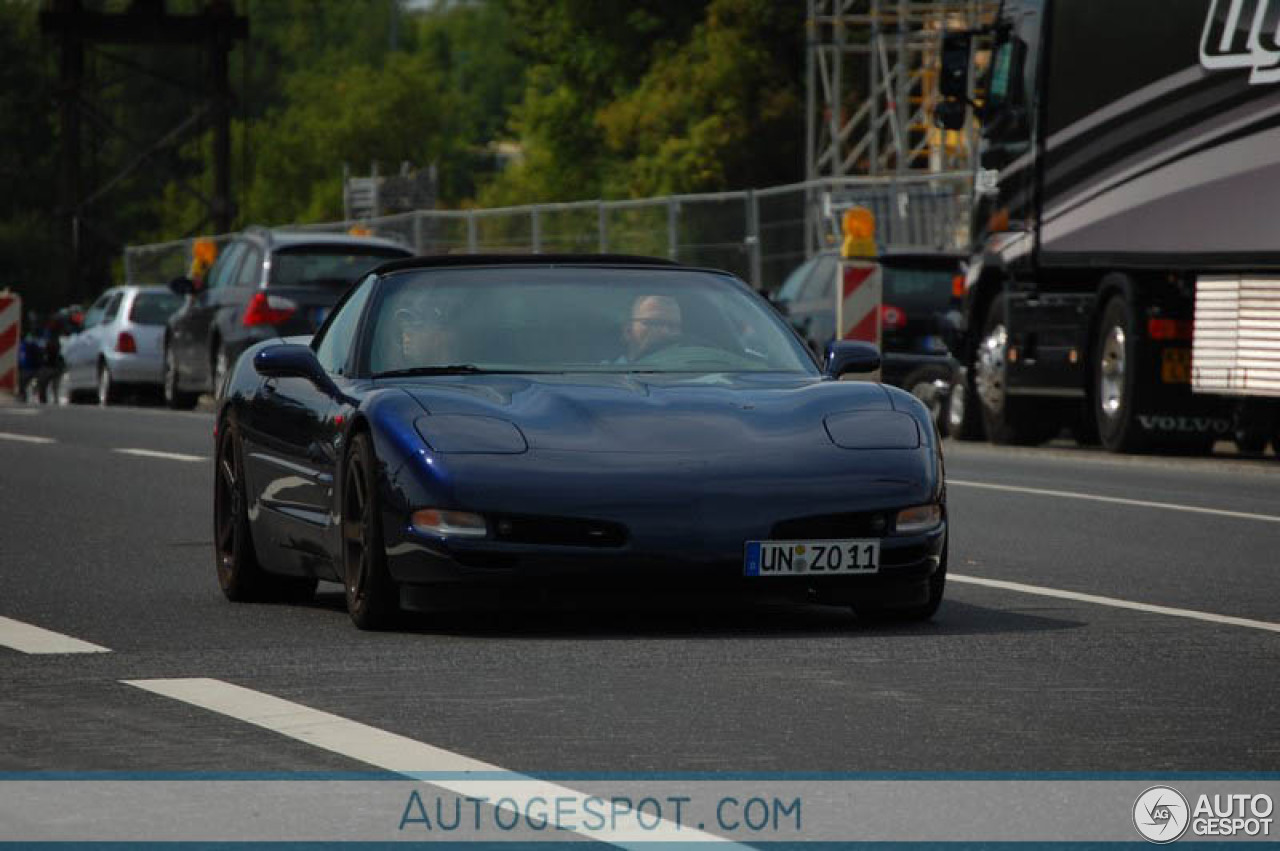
[[239, 572], [373, 600]]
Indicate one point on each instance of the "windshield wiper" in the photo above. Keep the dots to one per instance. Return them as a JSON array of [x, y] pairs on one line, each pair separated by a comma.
[[451, 369]]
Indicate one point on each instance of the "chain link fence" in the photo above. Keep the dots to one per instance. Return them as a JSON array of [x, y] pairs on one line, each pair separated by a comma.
[[759, 235]]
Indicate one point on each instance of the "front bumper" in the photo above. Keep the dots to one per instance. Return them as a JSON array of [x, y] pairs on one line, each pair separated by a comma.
[[431, 571]]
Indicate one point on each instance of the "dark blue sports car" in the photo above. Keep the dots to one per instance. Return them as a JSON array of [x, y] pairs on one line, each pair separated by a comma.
[[519, 425]]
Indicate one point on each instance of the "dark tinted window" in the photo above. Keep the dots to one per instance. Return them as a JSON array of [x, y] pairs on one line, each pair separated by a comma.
[[113, 307], [250, 268], [918, 289], [153, 308], [225, 266], [328, 265]]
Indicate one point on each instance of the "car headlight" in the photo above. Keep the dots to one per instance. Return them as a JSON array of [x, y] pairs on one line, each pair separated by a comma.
[[454, 524], [917, 519]]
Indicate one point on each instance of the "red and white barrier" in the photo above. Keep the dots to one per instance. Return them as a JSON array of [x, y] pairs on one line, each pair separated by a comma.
[[10, 339], [858, 301]]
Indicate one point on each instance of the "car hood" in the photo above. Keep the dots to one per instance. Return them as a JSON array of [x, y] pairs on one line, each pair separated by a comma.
[[712, 414]]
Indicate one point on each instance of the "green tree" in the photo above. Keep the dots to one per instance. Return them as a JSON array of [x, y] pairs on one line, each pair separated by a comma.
[[723, 111], [30, 255], [581, 56]]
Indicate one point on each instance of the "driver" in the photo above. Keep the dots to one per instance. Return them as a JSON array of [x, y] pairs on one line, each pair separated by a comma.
[[655, 323]]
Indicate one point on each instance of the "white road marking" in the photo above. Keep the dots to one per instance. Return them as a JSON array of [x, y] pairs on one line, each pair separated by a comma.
[[152, 453], [1116, 500], [26, 638], [26, 438], [390, 752], [1115, 603], [25, 412]]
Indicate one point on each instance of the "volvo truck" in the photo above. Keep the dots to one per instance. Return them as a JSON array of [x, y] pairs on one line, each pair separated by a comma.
[[1125, 278]]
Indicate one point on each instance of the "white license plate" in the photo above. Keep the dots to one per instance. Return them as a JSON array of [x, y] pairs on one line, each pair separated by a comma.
[[812, 558]]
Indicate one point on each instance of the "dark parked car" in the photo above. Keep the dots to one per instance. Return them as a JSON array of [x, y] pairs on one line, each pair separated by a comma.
[[920, 306], [533, 424], [264, 284]]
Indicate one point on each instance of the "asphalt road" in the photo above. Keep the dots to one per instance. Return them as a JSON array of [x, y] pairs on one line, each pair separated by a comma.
[[114, 549]]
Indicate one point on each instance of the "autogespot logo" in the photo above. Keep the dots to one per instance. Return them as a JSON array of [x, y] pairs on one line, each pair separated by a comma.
[[1160, 814]]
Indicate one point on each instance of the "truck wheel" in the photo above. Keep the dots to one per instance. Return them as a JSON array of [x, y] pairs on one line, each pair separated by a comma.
[[931, 385], [1007, 420], [964, 419], [1114, 376]]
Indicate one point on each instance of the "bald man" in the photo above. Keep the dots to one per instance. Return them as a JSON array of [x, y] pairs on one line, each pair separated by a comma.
[[654, 324]]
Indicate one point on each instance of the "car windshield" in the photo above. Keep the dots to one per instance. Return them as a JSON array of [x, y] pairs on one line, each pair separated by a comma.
[[154, 308], [577, 319], [333, 265]]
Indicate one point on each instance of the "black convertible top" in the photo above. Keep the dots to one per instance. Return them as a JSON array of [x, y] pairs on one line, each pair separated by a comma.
[[438, 260]]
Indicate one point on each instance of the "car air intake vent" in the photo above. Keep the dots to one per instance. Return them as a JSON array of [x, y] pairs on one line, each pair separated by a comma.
[[559, 531], [869, 524]]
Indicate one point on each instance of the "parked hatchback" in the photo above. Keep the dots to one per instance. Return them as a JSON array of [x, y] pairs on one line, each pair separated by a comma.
[[120, 346], [264, 284], [920, 303]]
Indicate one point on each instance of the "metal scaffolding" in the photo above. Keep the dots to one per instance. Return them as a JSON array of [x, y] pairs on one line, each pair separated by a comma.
[[872, 73]]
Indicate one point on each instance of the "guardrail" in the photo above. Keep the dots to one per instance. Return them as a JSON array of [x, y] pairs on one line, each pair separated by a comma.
[[759, 234]]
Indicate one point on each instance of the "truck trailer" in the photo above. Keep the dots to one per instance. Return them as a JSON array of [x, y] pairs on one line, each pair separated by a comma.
[[1125, 278]]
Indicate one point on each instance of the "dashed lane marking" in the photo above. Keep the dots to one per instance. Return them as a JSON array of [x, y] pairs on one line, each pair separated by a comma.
[[26, 638], [1115, 500], [392, 752], [169, 456], [25, 438], [1115, 603]]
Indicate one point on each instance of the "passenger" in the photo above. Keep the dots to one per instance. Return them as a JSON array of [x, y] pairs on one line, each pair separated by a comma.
[[428, 343], [655, 323]]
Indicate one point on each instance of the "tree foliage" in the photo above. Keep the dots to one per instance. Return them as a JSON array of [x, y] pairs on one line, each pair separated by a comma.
[[598, 99]]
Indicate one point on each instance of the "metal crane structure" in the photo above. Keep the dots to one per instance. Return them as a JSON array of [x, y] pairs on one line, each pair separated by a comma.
[[872, 73], [207, 35]]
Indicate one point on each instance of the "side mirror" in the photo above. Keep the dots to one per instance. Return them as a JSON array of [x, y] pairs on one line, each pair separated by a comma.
[[953, 79], [845, 356], [182, 285], [951, 114], [294, 361], [288, 361]]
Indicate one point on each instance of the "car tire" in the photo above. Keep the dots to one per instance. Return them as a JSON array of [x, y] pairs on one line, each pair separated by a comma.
[[373, 600], [65, 394], [239, 573], [877, 613], [1114, 397], [931, 385], [219, 366], [174, 396], [108, 392], [1007, 420]]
